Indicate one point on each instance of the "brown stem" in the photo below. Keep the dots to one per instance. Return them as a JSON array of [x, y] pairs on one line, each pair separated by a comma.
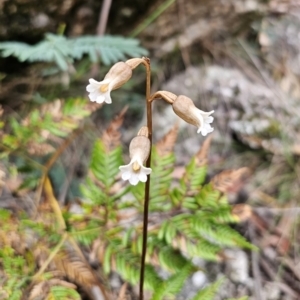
[[146, 63], [165, 95], [103, 17]]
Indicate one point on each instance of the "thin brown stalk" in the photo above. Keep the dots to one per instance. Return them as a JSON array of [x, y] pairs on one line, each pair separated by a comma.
[[147, 185], [103, 17]]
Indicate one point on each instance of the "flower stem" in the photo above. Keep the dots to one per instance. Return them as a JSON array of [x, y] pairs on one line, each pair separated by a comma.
[[146, 63]]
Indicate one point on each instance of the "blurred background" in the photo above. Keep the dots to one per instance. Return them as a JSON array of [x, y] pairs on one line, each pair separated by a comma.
[[240, 58]]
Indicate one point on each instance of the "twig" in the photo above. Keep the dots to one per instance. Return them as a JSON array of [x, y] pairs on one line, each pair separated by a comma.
[[122, 293], [102, 22], [284, 287], [54, 203], [255, 268]]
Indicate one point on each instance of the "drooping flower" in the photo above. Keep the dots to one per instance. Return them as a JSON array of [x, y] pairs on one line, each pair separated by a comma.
[[139, 151], [184, 107], [99, 91]]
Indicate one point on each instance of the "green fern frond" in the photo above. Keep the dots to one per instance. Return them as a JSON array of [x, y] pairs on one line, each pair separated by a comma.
[[208, 197], [105, 166], [62, 51], [173, 285], [171, 260], [220, 234], [203, 249], [209, 292], [88, 235], [162, 167], [62, 293], [194, 176], [92, 192]]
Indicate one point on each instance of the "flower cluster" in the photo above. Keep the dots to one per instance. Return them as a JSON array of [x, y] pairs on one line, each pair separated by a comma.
[[140, 146]]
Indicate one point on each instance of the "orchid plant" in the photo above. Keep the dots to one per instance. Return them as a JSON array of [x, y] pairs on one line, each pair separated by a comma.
[[139, 168]]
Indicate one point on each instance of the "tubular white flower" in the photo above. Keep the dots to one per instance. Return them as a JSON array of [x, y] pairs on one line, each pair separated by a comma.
[[135, 171], [205, 119], [139, 151], [184, 107], [99, 91]]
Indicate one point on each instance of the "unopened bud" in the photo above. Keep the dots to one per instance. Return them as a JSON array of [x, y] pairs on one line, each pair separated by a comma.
[[144, 131]]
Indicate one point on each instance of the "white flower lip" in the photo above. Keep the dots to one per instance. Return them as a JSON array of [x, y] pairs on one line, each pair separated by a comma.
[[128, 172], [99, 91], [205, 119]]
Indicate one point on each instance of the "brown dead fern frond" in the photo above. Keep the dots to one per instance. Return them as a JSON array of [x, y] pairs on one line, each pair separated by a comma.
[[202, 155], [39, 149], [166, 144], [111, 136], [77, 270], [230, 181]]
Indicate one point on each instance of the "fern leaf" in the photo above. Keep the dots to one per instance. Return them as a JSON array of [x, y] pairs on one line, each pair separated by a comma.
[[194, 176], [75, 269], [109, 48], [174, 284], [20, 50], [171, 260], [61, 51], [105, 166], [62, 293], [209, 292], [230, 180]]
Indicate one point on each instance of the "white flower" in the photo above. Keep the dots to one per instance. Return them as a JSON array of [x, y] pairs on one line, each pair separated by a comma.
[[99, 91], [139, 150], [135, 171], [184, 107], [205, 119]]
